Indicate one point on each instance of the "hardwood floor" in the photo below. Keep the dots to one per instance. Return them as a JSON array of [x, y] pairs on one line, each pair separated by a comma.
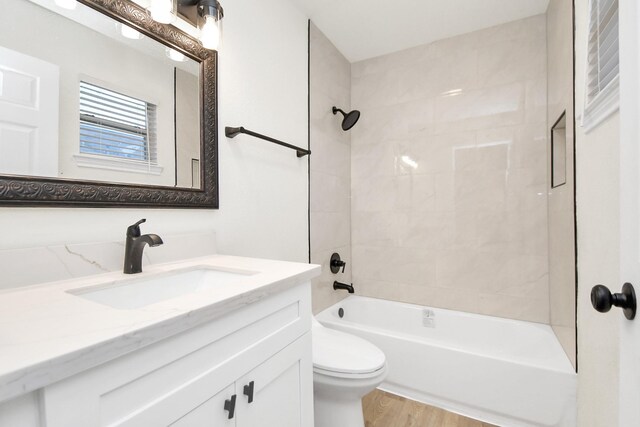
[[382, 409]]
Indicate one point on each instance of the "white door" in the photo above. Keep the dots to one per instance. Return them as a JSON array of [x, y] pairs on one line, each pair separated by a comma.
[[629, 206], [29, 92]]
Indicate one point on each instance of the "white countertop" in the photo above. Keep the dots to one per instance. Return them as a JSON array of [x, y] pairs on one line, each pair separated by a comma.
[[47, 334]]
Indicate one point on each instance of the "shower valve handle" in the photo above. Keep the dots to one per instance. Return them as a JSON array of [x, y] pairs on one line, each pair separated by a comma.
[[602, 299], [336, 263]]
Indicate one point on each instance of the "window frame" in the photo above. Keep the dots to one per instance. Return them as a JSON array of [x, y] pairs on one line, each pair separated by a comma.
[[87, 159]]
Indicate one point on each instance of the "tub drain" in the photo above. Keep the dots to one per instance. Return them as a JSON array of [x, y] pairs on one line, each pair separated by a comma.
[[341, 312]]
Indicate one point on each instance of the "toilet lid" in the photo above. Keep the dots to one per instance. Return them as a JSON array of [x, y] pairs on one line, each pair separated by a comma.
[[337, 351]]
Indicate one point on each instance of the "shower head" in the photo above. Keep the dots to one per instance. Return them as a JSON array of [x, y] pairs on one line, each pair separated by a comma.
[[350, 119]]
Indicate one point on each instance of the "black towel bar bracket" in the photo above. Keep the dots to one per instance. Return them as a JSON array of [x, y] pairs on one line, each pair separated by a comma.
[[232, 132]]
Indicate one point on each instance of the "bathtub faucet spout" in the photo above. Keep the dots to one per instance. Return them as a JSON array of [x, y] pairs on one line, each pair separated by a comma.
[[337, 285]]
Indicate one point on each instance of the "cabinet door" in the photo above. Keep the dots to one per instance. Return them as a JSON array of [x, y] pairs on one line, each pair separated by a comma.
[[215, 412], [280, 389]]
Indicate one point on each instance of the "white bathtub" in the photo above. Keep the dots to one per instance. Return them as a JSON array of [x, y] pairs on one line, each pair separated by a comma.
[[505, 372]]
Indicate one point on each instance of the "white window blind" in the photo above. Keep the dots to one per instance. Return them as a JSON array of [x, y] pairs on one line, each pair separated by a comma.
[[117, 125], [602, 78], [603, 52]]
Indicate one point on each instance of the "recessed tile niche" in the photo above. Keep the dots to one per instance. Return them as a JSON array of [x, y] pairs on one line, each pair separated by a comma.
[[559, 151]]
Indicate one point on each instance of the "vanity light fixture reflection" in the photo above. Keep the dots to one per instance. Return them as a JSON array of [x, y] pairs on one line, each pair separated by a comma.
[[66, 4], [409, 162], [453, 92], [174, 55], [128, 32]]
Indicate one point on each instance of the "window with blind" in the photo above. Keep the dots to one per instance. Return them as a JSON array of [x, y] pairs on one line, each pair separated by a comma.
[[603, 63], [116, 125]]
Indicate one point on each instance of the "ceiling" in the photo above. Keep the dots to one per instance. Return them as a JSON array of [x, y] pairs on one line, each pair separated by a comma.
[[363, 29]]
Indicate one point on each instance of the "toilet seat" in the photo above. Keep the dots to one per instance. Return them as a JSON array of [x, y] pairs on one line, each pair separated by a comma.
[[342, 355], [350, 377]]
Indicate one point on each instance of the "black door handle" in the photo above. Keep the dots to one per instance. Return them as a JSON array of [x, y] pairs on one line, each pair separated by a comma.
[[248, 391], [602, 299], [230, 405]]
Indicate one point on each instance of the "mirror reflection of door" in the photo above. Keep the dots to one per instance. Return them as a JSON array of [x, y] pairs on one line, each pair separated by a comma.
[[28, 115], [187, 127], [100, 115]]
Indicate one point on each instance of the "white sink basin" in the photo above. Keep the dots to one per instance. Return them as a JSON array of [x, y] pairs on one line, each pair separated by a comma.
[[140, 292]]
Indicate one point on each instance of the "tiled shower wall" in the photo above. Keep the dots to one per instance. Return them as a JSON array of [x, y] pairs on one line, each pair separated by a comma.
[[330, 84], [448, 175], [562, 261]]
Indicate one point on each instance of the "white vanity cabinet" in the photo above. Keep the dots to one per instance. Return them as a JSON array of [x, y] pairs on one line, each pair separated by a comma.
[[210, 412], [270, 395], [254, 361]]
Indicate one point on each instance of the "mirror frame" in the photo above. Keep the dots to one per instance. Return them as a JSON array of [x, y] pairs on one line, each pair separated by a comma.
[[18, 190]]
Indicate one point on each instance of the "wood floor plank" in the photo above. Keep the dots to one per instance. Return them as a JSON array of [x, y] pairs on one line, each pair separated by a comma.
[[382, 409], [415, 413]]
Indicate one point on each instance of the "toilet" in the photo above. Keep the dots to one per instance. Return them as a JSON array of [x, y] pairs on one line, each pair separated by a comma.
[[345, 369]]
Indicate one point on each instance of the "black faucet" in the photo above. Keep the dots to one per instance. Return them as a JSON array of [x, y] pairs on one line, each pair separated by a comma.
[[135, 245], [337, 285]]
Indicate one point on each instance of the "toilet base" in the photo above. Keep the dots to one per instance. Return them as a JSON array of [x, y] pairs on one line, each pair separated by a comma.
[[332, 413], [338, 401], [346, 369]]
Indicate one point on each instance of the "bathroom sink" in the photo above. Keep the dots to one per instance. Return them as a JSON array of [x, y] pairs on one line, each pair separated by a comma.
[[138, 292]]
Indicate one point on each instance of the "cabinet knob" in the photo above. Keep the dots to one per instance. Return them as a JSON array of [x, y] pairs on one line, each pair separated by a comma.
[[248, 391], [230, 405], [602, 299]]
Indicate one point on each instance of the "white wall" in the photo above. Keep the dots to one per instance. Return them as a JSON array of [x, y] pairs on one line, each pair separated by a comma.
[[263, 188], [598, 213]]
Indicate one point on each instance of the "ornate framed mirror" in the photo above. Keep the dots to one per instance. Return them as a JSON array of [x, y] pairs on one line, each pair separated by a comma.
[[101, 106]]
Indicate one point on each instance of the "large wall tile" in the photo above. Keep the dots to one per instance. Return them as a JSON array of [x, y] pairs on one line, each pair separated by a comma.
[[330, 167], [448, 173], [562, 255]]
